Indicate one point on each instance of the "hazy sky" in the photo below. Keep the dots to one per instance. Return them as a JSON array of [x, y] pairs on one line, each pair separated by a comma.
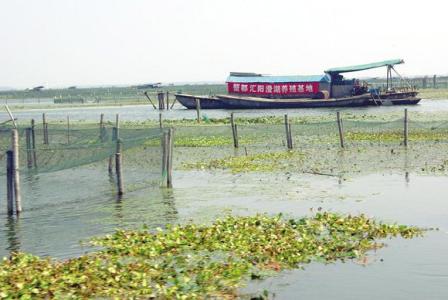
[[92, 42]]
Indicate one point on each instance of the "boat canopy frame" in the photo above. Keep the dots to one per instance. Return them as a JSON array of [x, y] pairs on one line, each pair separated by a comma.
[[333, 72], [356, 68]]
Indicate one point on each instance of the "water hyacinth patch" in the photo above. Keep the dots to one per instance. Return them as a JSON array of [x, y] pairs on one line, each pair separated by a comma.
[[268, 161], [195, 261]]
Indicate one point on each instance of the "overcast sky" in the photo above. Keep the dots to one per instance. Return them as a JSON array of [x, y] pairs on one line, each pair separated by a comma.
[[58, 43]]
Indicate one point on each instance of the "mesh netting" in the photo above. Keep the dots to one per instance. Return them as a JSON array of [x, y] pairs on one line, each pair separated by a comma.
[[86, 144], [78, 145], [370, 146]]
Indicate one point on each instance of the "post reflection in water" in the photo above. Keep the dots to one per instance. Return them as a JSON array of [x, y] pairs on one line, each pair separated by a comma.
[[12, 230], [406, 166], [170, 214]]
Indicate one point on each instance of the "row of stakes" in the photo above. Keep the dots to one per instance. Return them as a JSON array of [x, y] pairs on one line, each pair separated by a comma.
[[288, 131], [14, 199], [167, 144]]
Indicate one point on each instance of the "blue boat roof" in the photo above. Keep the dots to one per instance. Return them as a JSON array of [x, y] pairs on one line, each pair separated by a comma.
[[279, 79]]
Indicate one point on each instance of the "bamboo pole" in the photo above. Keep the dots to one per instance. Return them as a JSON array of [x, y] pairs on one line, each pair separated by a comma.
[[198, 110], [405, 132], [147, 96], [167, 100], [118, 168], [47, 140], [9, 183], [29, 157], [174, 101], [15, 170], [163, 143], [287, 129], [117, 126], [160, 98], [290, 135], [44, 131], [340, 129], [169, 168], [33, 142], [234, 131], [102, 127]]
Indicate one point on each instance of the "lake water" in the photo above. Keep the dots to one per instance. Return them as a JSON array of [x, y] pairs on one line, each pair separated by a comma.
[[65, 207], [147, 112]]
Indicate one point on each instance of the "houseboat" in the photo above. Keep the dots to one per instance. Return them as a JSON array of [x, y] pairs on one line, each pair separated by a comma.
[[331, 89]]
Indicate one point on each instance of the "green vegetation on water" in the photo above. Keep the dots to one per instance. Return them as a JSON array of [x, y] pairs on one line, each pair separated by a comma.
[[195, 261], [268, 161]]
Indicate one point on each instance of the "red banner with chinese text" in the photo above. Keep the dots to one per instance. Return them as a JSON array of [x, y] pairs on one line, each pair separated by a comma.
[[273, 88]]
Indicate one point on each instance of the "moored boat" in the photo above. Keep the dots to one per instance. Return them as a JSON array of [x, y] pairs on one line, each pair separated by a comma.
[[206, 102], [246, 102], [251, 90]]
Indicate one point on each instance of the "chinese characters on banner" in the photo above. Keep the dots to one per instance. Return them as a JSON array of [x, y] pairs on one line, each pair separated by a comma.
[[273, 88]]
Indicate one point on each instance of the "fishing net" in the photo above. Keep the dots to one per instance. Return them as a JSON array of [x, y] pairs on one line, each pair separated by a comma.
[[369, 146], [65, 147]]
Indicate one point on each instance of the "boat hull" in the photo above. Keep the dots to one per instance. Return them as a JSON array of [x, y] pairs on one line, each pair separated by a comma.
[[399, 98], [189, 101], [236, 102]]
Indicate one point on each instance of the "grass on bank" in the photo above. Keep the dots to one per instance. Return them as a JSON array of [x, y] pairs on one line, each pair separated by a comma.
[[195, 261]]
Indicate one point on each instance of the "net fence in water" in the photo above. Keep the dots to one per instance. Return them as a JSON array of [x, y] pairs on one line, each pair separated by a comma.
[[369, 146], [81, 145], [355, 133], [68, 147]]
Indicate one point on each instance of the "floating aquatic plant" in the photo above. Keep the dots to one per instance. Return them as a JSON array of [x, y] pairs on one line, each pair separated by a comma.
[[268, 161], [195, 261]]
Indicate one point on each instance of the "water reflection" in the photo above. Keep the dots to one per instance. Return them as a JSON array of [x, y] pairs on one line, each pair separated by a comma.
[[12, 232]]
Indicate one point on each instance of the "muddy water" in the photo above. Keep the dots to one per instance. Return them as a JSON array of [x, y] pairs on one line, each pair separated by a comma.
[[146, 112], [65, 207]]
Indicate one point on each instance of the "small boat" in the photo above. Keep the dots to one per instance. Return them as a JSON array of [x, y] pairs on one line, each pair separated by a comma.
[[205, 102], [245, 102], [257, 91]]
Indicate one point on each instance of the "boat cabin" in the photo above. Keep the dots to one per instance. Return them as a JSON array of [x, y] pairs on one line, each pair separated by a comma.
[[257, 85], [332, 84]]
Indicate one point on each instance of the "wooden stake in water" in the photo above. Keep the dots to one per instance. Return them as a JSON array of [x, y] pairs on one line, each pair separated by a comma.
[[198, 110], [33, 142], [9, 183], [147, 96], [169, 149], [234, 131], [15, 170], [117, 126], [288, 134], [340, 129], [44, 128], [160, 98], [102, 127], [164, 143], [167, 100], [29, 156], [160, 120], [115, 137], [405, 132], [118, 170]]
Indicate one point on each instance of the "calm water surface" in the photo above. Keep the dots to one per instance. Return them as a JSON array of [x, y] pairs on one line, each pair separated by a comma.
[[146, 112], [65, 207]]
